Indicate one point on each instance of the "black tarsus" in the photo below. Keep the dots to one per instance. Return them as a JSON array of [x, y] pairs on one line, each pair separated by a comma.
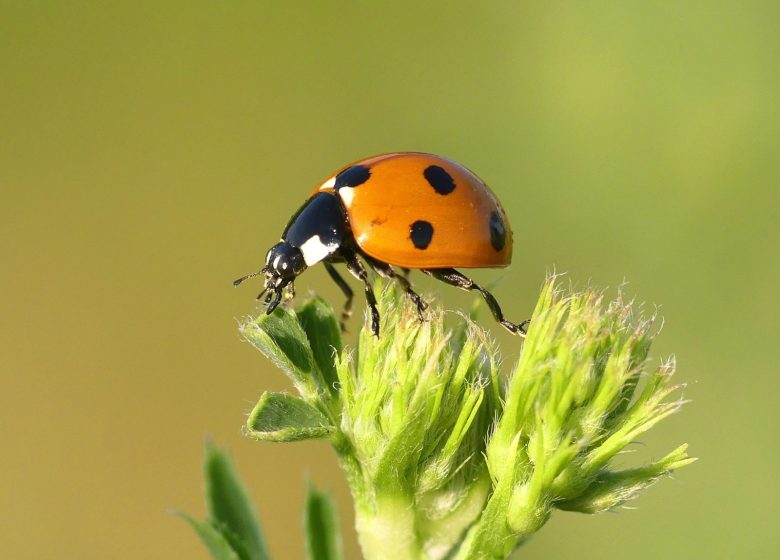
[[346, 311], [454, 278], [277, 297]]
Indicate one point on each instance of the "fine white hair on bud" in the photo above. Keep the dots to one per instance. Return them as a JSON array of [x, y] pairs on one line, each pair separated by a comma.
[[448, 457]]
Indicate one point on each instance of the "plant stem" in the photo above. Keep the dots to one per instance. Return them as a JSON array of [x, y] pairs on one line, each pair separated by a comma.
[[386, 531]]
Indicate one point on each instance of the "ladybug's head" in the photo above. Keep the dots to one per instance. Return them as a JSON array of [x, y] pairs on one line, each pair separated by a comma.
[[283, 264]]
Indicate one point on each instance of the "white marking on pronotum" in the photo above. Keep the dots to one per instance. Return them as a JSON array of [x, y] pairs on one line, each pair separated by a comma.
[[314, 250], [329, 184], [276, 261], [347, 194]]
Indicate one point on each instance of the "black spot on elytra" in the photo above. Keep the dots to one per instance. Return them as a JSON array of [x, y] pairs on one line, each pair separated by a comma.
[[352, 176], [421, 233], [497, 231], [439, 179]]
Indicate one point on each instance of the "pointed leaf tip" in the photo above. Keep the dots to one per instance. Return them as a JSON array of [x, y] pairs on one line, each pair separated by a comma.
[[281, 417]]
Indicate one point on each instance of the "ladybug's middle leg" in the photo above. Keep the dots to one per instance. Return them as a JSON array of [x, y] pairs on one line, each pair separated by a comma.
[[386, 271], [357, 270], [454, 278]]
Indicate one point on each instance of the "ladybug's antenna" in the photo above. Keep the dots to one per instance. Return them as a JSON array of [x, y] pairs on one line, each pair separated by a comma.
[[248, 276]]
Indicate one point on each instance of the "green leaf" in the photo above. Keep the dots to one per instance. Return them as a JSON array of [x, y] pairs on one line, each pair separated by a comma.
[[219, 546], [321, 523], [282, 339], [320, 325], [282, 417], [229, 506]]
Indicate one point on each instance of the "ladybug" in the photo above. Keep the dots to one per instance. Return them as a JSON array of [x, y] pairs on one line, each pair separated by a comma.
[[407, 210]]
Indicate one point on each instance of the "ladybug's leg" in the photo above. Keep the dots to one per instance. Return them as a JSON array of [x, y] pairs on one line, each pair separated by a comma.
[[357, 270], [346, 311], [454, 278], [386, 271]]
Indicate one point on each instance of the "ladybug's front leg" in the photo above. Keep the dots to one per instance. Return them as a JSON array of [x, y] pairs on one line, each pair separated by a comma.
[[357, 270]]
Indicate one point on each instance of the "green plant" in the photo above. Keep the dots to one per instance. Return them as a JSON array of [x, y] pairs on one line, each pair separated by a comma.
[[445, 456], [232, 531]]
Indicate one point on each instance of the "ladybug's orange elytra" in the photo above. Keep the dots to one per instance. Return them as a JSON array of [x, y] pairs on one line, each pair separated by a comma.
[[467, 225]]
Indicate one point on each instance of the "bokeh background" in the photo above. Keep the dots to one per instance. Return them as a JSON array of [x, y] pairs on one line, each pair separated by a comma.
[[150, 152]]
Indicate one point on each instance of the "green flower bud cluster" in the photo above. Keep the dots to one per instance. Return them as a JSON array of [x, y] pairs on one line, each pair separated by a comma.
[[448, 458]]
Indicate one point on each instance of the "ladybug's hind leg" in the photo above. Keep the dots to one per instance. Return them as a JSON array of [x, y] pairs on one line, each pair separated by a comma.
[[346, 311], [454, 278], [357, 270], [386, 271]]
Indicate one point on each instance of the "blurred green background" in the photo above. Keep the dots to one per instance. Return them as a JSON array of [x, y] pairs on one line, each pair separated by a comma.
[[150, 152]]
